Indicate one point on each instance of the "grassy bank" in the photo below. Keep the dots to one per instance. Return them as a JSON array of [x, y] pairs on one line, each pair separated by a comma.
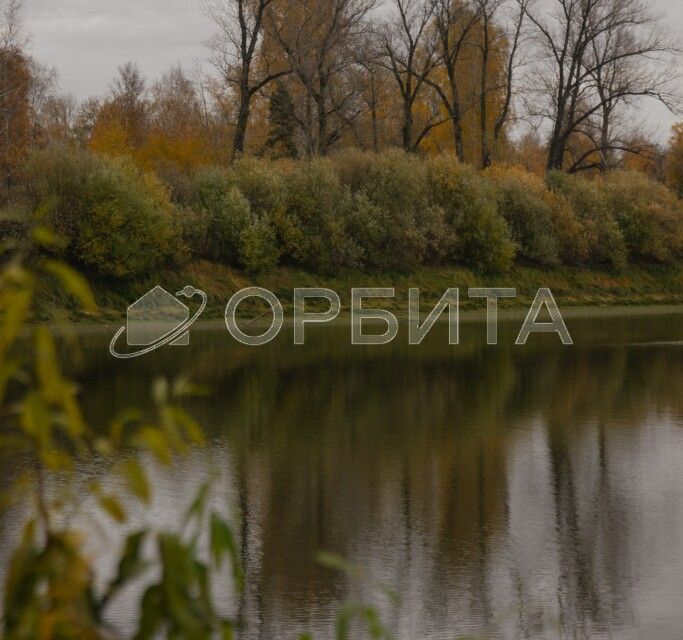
[[572, 286]]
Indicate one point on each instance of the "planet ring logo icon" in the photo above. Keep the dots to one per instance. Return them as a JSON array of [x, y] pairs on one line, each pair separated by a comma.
[[158, 319]]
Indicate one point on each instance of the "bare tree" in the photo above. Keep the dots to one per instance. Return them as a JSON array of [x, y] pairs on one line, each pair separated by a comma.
[[318, 38], [234, 48], [596, 55], [370, 79], [495, 38], [130, 102], [410, 55], [11, 26]]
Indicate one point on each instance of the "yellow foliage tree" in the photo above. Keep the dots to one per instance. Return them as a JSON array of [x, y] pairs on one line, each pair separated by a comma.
[[15, 120], [674, 160]]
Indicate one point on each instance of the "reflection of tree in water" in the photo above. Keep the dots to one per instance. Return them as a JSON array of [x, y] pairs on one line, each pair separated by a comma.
[[400, 460]]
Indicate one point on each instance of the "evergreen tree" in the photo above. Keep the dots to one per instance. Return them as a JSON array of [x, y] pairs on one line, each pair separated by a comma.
[[281, 142]]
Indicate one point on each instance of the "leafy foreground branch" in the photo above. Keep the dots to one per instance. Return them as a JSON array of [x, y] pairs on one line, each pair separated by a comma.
[[50, 588]]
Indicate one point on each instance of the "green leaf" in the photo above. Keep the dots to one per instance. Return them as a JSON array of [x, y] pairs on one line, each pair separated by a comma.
[[56, 460], [152, 616], [333, 561], [227, 630], [47, 366], [44, 237], [130, 566], [223, 544], [35, 419], [189, 425], [119, 424], [198, 505]]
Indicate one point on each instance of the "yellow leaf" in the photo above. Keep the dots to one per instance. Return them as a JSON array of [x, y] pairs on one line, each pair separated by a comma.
[[136, 478], [113, 507]]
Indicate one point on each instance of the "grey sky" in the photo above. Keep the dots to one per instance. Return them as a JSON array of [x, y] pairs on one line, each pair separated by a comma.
[[87, 39]]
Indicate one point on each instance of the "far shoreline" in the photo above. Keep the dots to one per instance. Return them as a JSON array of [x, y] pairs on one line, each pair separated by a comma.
[[578, 291], [589, 312]]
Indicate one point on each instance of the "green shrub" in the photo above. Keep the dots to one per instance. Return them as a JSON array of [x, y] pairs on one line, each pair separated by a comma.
[[395, 221], [542, 224], [483, 239], [314, 225], [14, 223], [527, 213], [223, 213], [604, 240], [116, 221], [259, 248], [649, 214], [263, 183]]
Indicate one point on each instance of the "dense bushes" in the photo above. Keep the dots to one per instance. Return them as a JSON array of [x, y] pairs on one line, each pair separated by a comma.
[[605, 241], [355, 210], [528, 213], [115, 220], [483, 239], [649, 215], [393, 218]]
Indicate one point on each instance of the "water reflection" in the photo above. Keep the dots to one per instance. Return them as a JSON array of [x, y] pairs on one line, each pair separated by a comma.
[[529, 492]]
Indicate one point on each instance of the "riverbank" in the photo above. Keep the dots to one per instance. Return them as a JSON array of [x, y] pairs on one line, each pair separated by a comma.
[[571, 286]]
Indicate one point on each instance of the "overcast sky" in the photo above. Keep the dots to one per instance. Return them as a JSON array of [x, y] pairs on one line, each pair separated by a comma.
[[85, 40]]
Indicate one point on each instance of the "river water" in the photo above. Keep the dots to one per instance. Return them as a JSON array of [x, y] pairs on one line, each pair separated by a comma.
[[494, 492]]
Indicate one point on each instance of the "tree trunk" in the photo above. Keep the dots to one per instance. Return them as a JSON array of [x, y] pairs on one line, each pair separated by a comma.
[[407, 131], [242, 122], [322, 125], [456, 116], [457, 134], [483, 104], [373, 113]]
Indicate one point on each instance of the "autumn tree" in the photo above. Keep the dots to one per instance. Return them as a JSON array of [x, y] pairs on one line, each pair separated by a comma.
[[178, 133], [15, 111], [453, 23], [317, 39], [234, 53], [122, 121], [674, 160], [15, 91], [57, 118]]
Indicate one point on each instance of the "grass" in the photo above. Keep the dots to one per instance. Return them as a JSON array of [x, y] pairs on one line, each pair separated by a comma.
[[571, 286]]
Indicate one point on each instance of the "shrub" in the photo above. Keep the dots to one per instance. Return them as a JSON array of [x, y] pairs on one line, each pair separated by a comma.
[[14, 223], [527, 213], [649, 215], [116, 221], [314, 225], [222, 214], [263, 183], [604, 241], [259, 249], [394, 220], [542, 224], [483, 239]]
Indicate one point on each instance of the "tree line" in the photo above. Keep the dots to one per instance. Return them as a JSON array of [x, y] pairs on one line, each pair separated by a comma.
[[552, 85]]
